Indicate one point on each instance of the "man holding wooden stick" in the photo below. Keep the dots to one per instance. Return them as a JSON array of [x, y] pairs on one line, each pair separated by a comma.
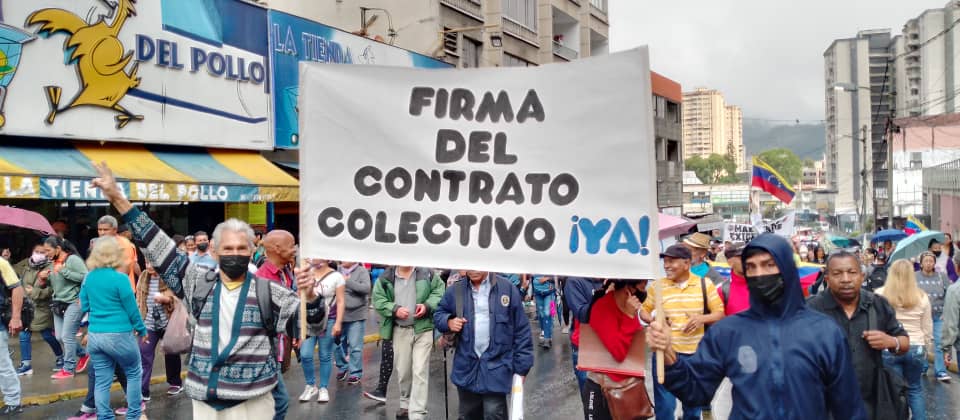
[[784, 360]]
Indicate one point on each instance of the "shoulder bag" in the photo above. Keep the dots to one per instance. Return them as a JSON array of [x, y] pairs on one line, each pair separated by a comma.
[[889, 389]]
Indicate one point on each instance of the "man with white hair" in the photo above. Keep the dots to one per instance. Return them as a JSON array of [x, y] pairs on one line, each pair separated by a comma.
[[233, 368]]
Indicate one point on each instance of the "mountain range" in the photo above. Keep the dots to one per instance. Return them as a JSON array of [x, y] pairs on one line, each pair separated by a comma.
[[806, 140]]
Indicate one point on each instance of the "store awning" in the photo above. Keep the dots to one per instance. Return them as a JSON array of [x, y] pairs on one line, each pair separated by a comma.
[[62, 171]]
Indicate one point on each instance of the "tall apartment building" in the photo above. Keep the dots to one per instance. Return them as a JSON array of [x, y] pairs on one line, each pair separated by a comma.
[[857, 102], [472, 33], [925, 70], [711, 126]]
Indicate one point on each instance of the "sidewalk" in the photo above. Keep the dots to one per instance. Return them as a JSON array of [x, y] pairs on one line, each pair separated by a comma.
[[39, 389]]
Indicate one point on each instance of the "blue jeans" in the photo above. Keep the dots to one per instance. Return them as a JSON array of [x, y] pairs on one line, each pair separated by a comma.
[[910, 367], [544, 303], [26, 349], [107, 351], [281, 400], [66, 329], [939, 367], [581, 375], [352, 343], [90, 403], [9, 382], [325, 354], [665, 402]]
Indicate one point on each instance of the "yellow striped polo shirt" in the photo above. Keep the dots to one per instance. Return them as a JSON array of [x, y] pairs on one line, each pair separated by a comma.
[[680, 301]]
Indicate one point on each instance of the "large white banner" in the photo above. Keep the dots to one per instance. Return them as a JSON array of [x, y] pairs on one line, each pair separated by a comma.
[[524, 170], [783, 226]]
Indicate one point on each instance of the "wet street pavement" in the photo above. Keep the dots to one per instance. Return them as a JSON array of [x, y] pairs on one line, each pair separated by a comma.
[[550, 393]]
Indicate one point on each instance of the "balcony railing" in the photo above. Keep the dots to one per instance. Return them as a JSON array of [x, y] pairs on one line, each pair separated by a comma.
[[522, 32], [600, 5], [468, 7], [565, 52]]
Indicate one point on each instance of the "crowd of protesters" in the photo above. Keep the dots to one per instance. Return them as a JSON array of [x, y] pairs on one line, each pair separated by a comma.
[[865, 330]]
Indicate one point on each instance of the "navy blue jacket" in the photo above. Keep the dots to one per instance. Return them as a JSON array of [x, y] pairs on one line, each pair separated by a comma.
[[511, 344], [579, 294], [785, 361]]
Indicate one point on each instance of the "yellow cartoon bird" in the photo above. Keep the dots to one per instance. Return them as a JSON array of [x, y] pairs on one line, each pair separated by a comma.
[[98, 56]]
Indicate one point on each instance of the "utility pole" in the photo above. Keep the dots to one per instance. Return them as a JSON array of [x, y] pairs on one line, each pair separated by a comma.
[[863, 182]]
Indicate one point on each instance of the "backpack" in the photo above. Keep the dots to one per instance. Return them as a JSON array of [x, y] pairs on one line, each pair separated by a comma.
[[203, 289], [317, 310], [6, 306]]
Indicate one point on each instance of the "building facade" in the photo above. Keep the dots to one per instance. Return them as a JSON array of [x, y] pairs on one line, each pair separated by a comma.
[[925, 70], [667, 100], [472, 33], [857, 101], [711, 126]]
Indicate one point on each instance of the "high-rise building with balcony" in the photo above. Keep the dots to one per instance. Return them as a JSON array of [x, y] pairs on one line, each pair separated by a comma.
[[711, 126], [667, 99]]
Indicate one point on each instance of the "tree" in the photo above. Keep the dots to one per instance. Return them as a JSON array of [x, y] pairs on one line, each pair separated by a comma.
[[715, 169], [785, 162]]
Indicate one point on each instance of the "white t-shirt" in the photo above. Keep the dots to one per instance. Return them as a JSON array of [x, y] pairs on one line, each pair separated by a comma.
[[328, 287]]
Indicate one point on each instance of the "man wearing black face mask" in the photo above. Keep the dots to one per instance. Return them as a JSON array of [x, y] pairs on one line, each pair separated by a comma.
[[784, 360], [233, 367], [852, 309], [202, 257]]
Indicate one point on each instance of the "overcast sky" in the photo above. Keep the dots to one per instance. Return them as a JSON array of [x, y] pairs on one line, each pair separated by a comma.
[[764, 55]]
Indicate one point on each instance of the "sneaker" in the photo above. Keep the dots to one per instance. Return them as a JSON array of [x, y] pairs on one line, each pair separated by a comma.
[[82, 363], [174, 390], [943, 377], [25, 369], [342, 376], [540, 341], [145, 397], [308, 392], [376, 395], [59, 365], [403, 413], [11, 410], [122, 411], [323, 396], [353, 380], [61, 374], [565, 329], [547, 343], [84, 416]]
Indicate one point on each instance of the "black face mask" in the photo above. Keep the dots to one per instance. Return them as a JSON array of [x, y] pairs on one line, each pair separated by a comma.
[[767, 289], [202, 247], [234, 266], [937, 253]]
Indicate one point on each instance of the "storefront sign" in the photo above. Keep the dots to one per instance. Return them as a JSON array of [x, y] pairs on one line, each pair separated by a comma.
[[186, 72], [80, 189], [19, 187], [487, 169], [294, 40]]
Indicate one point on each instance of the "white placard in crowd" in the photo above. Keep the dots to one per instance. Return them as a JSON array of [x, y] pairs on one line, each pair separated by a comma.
[[783, 226], [739, 232], [522, 170]]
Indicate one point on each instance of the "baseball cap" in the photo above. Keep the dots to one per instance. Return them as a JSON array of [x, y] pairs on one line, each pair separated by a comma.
[[734, 250], [677, 251]]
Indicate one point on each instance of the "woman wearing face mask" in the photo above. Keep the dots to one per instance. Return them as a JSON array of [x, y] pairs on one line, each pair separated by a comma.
[[616, 321], [330, 285], [65, 276], [41, 293], [935, 284], [156, 303]]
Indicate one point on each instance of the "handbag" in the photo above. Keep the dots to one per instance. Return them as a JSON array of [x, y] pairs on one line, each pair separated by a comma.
[[450, 339], [627, 399], [889, 388], [59, 308], [178, 338]]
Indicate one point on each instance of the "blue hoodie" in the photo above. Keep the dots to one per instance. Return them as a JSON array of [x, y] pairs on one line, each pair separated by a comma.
[[785, 361]]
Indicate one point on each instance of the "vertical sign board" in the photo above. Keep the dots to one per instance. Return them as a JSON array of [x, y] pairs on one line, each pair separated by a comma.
[[294, 40], [186, 72], [524, 170]]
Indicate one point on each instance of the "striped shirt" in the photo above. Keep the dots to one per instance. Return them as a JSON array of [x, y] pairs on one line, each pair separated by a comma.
[[156, 318], [680, 301]]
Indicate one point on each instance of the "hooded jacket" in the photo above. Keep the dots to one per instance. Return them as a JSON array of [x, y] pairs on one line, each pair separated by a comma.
[[785, 361]]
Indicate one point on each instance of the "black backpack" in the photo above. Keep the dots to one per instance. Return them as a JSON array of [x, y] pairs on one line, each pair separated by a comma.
[[6, 306]]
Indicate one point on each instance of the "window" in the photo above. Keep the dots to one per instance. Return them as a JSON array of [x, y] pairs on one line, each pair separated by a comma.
[[510, 60], [523, 12], [659, 107], [916, 160], [471, 53]]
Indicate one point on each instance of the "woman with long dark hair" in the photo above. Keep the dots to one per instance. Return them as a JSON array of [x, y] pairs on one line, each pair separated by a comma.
[[65, 276]]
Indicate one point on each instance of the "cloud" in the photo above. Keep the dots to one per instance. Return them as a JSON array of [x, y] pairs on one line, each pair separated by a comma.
[[766, 56]]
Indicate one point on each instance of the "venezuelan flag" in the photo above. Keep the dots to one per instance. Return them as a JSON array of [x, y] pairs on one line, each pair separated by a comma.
[[770, 181], [808, 273], [913, 226]]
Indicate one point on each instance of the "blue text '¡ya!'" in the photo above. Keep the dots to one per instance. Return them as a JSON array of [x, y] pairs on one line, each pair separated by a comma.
[[618, 236]]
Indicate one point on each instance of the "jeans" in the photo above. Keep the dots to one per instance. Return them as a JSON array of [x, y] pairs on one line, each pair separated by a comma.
[[544, 304], [352, 343], [107, 351], [581, 375], [9, 381], [665, 402], [66, 328], [939, 367], [325, 354], [26, 349], [148, 350], [90, 403], [482, 406], [281, 400], [910, 367]]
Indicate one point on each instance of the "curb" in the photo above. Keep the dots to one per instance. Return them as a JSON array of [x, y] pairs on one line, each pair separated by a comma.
[[78, 393]]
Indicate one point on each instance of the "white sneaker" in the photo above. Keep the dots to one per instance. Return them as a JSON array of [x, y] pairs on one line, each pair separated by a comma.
[[565, 329], [323, 396], [308, 393]]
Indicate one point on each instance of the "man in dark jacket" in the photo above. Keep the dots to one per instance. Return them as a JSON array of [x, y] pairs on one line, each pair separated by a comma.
[[852, 309], [579, 292], [785, 361], [495, 342]]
